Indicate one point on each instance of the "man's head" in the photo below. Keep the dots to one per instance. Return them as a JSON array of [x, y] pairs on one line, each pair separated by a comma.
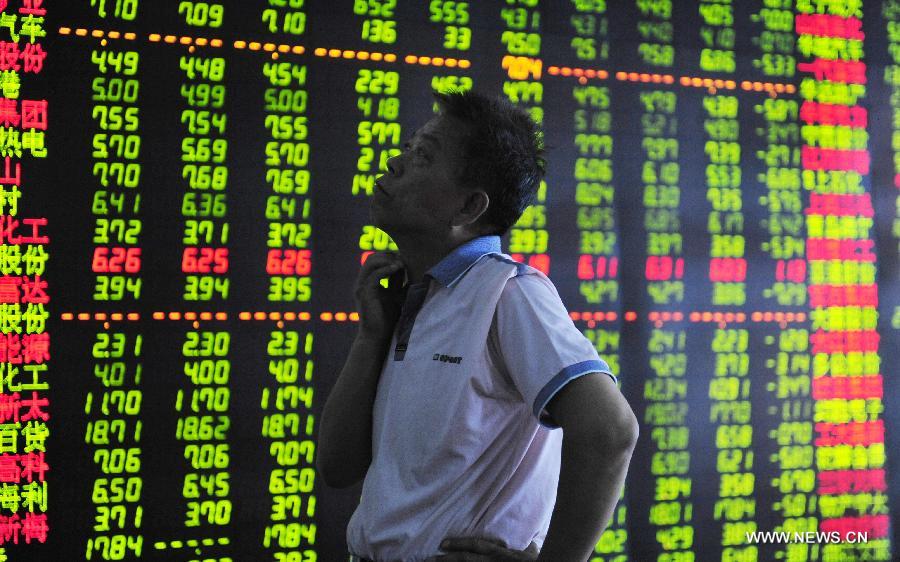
[[501, 152], [474, 168]]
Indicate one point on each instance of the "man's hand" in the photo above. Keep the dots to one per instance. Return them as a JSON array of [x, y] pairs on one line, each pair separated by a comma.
[[378, 307], [344, 449], [470, 549]]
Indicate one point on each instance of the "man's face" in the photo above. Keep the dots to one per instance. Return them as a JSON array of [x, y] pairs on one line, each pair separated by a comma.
[[419, 193]]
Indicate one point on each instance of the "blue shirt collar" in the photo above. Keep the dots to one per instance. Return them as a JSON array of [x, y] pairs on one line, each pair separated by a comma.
[[451, 269]]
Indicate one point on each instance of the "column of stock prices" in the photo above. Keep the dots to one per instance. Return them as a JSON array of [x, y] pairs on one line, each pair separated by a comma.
[[184, 192]]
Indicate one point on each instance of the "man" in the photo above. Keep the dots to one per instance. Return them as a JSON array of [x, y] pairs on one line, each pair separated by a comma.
[[454, 382]]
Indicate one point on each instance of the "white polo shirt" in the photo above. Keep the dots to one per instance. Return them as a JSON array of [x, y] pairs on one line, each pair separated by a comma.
[[461, 443]]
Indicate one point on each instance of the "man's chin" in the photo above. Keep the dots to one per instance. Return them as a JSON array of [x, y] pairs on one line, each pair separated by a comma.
[[376, 215]]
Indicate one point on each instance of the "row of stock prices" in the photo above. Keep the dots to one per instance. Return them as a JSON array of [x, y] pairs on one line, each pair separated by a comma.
[[184, 193]]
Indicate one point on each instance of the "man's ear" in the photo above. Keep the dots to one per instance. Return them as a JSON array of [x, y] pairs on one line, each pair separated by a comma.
[[474, 205]]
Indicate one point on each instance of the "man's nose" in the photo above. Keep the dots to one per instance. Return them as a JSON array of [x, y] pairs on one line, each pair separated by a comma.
[[394, 166]]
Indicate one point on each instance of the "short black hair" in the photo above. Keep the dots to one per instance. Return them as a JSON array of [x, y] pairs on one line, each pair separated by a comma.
[[502, 151]]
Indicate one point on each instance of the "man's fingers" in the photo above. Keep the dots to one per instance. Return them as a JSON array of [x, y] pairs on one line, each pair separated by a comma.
[[372, 276], [381, 271], [396, 279], [368, 269], [459, 557], [473, 544], [379, 259], [473, 549], [378, 266]]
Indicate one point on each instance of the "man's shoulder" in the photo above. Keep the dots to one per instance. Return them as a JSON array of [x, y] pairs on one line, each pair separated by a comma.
[[529, 280], [505, 263], [497, 276], [519, 286]]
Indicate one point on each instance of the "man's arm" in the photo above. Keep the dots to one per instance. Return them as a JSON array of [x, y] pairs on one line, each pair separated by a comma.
[[345, 429], [599, 435]]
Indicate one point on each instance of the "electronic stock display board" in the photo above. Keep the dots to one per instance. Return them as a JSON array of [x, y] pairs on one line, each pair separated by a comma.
[[184, 195]]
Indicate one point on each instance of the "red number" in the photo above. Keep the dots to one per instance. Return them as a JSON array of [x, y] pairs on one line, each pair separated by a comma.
[[790, 270], [101, 260], [604, 267], [727, 270], [116, 260], [189, 260], [289, 262], [541, 262], [220, 258], [663, 268], [204, 260]]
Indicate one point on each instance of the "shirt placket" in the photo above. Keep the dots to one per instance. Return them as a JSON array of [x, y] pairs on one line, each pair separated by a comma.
[[415, 298]]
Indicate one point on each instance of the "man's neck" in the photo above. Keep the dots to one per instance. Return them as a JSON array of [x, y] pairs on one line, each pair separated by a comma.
[[420, 255]]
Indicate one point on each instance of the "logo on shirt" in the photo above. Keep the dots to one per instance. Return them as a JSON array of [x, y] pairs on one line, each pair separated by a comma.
[[446, 358]]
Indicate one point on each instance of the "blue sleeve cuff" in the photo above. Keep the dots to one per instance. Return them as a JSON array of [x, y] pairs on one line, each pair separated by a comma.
[[561, 379]]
